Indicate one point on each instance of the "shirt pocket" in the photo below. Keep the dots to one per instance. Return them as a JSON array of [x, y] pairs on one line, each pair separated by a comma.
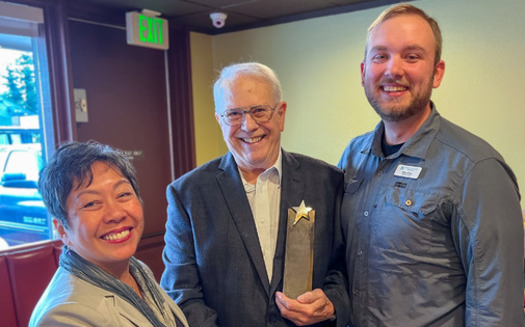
[[352, 184], [405, 223], [420, 204]]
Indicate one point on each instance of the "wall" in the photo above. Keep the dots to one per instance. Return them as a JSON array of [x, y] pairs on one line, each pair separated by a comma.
[[208, 137], [318, 60]]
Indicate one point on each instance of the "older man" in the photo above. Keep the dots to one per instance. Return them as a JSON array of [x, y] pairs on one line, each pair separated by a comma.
[[431, 212], [226, 229]]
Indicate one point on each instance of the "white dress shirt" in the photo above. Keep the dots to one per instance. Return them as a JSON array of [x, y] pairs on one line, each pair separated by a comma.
[[265, 199]]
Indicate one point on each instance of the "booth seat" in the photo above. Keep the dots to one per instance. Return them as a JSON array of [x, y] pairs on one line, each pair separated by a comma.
[[24, 274]]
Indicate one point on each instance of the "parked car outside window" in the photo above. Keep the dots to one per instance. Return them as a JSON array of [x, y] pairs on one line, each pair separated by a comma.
[[23, 216]]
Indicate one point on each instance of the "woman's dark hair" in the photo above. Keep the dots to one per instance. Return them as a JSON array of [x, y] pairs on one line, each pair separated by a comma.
[[71, 164]]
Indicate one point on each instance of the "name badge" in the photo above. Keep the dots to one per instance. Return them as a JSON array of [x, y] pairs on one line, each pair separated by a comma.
[[408, 171]]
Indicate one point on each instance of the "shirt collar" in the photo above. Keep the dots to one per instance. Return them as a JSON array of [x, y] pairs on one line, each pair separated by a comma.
[[417, 146], [277, 167]]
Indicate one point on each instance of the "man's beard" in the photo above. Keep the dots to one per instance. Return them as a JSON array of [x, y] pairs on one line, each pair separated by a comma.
[[395, 112]]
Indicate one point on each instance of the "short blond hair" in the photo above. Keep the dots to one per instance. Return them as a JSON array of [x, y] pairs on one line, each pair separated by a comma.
[[408, 9]]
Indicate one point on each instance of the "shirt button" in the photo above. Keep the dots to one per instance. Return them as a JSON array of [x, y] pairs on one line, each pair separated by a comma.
[[359, 252], [366, 213], [408, 202], [380, 173], [356, 291]]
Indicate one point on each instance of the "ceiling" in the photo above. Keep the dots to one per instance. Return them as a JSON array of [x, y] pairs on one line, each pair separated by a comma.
[[242, 14]]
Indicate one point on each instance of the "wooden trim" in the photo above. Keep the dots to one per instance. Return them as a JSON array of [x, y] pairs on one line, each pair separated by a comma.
[[181, 101], [60, 76]]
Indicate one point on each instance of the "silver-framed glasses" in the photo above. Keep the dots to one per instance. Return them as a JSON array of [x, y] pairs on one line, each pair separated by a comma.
[[235, 117]]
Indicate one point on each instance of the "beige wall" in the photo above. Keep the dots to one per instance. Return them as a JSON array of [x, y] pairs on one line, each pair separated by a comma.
[[208, 136], [318, 60]]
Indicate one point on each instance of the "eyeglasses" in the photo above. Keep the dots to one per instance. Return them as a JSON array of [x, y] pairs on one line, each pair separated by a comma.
[[234, 117]]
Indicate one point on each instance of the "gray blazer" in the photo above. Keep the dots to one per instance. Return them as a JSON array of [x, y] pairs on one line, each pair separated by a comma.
[[214, 263], [71, 301]]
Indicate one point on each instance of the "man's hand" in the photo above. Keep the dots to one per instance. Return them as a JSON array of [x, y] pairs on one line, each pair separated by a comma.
[[309, 308]]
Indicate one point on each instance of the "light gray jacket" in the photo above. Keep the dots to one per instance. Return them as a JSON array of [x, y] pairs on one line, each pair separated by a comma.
[[71, 301]]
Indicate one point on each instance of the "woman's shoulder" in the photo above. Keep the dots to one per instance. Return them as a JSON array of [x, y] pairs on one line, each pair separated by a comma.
[[69, 298]]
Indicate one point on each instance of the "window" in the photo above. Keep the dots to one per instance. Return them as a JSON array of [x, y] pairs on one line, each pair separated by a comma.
[[25, 123]]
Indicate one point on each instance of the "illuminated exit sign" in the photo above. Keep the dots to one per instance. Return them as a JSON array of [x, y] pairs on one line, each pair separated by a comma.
[[147, 31]]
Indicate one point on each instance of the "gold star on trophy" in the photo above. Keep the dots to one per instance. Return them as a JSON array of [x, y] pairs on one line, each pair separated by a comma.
[[301, 212]]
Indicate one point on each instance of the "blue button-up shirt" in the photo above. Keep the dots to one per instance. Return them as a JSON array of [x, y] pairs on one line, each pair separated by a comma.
[[434, 232]]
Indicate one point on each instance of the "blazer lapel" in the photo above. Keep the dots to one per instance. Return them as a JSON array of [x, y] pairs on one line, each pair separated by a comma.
[[132, 314], [292, 193], [233, 191], [126, 310]]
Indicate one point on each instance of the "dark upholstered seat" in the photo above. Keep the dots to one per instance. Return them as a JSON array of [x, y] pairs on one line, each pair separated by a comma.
[[24, 275]]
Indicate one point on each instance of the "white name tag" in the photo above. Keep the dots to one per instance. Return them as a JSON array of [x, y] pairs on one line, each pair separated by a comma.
[[408, 171]]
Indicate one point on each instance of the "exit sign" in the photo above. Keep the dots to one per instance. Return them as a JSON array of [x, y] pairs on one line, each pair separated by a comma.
[[147, 31]]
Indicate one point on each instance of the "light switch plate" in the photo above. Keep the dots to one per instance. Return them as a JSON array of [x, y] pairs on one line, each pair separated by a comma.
[[81, 111]]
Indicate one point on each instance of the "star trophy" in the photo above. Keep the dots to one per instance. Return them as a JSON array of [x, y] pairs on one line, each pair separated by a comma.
[[299, 256]]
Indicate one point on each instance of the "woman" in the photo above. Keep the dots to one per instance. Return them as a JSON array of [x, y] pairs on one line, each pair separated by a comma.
[[92, 192]]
